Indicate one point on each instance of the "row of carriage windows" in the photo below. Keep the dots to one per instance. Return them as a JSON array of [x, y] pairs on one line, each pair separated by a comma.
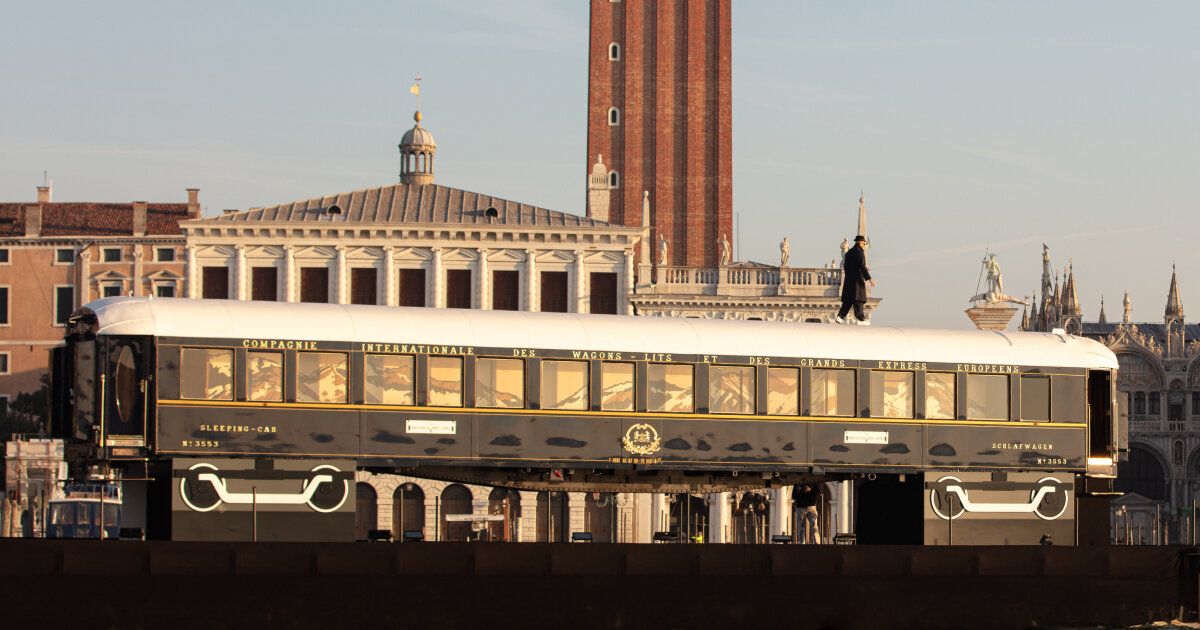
[[390, 379]]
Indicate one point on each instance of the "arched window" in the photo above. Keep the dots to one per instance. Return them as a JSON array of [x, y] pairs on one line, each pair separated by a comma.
[[408, 510], [599, 515], [1142, 474], [614, 116], [552, 517], [614, 180], [614, 52], [508, 504], [456, 499]]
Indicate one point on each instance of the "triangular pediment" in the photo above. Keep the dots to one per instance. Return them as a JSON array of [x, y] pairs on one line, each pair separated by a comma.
[[315, 251], [555, 256], [163, 274], [506, 256], [412, 253], [109, 275], [460, 255]]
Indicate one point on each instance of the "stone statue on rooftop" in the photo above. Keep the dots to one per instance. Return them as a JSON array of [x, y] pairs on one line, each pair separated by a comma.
[[994, 291], [663, 242], [785, 252], [724, 243]]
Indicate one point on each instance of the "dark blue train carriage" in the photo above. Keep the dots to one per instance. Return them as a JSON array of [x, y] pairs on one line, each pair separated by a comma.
[[249, 419]]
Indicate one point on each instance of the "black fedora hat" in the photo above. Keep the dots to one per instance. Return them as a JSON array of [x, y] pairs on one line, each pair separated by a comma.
[[862, 238]]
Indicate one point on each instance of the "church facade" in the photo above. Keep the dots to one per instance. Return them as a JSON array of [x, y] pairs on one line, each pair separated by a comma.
[[1159, 378]]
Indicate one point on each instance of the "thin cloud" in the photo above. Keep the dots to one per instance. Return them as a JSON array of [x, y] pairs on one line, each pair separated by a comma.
[[952, 252]]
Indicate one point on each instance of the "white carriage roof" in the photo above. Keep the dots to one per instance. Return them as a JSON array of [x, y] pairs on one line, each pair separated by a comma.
[[179, 317]]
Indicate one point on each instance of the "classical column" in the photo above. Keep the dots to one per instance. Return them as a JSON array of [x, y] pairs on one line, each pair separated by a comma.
[[781, 511], [193, 273], [485, 297], [527, 525], [531, 281], [437, 286], [389, 276], [240, 273], [433, 526], [718, 518], [342, 275], [289, 273], [137, 270], [623, 303], [577, 510], [846, 507], [580, 297], [659, 514], [84, 285]]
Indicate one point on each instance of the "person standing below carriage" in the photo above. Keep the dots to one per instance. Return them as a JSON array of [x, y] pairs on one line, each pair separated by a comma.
[[856, 275], [806, 498]]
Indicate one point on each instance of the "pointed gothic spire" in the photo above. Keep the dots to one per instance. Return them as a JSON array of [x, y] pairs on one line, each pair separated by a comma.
[[1174, 305], [1025, 318], [1071, 307], [1103, 319]]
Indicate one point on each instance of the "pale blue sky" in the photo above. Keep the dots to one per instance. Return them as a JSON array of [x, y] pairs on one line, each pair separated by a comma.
[[968, 125]]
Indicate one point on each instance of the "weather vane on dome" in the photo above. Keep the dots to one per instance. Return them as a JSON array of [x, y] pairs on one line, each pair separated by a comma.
[[416, 89]]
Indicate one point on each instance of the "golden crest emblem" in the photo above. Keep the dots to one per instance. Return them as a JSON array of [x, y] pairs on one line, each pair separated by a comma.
[[641, 439]]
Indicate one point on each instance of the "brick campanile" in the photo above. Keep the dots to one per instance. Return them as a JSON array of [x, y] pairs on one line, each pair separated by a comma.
[[660, 114]]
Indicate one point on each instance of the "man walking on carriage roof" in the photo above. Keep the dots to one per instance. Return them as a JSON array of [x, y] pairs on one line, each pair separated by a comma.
[[855, 276]]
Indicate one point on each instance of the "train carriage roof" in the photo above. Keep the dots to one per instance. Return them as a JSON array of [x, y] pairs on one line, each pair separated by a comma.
[[235, 319]]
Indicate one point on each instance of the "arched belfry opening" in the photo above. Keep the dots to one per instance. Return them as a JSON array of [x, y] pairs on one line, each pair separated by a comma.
[[417, 148]]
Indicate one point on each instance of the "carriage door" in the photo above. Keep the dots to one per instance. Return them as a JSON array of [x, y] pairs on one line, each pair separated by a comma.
[[1101, 433], [83, 398], [127, 390]]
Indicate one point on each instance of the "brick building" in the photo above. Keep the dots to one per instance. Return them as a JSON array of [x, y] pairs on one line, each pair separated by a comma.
[[660, 118], [55, 256], [660, 154]]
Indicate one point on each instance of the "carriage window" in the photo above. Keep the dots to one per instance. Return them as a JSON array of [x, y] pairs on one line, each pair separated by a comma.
[[126, 384], [987, 397], [264, 376], [206, 374], [940, 399], [321, 377], [1035, 398], [445, 381], [565, 385], [832, 392], [783, 391], [500, 383], [731, 389], [1067, 394], [891, 394], [616, 386], [388, 379], [669, 388]]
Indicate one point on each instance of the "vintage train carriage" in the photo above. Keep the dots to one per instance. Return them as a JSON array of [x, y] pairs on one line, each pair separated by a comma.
[[569, 401]]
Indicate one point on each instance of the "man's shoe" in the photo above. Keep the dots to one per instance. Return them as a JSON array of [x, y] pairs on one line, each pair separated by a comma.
[[838, 319], [865, 322]]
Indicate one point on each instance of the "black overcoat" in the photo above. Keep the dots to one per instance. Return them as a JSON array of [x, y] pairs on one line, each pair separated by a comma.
[[854, 287]]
